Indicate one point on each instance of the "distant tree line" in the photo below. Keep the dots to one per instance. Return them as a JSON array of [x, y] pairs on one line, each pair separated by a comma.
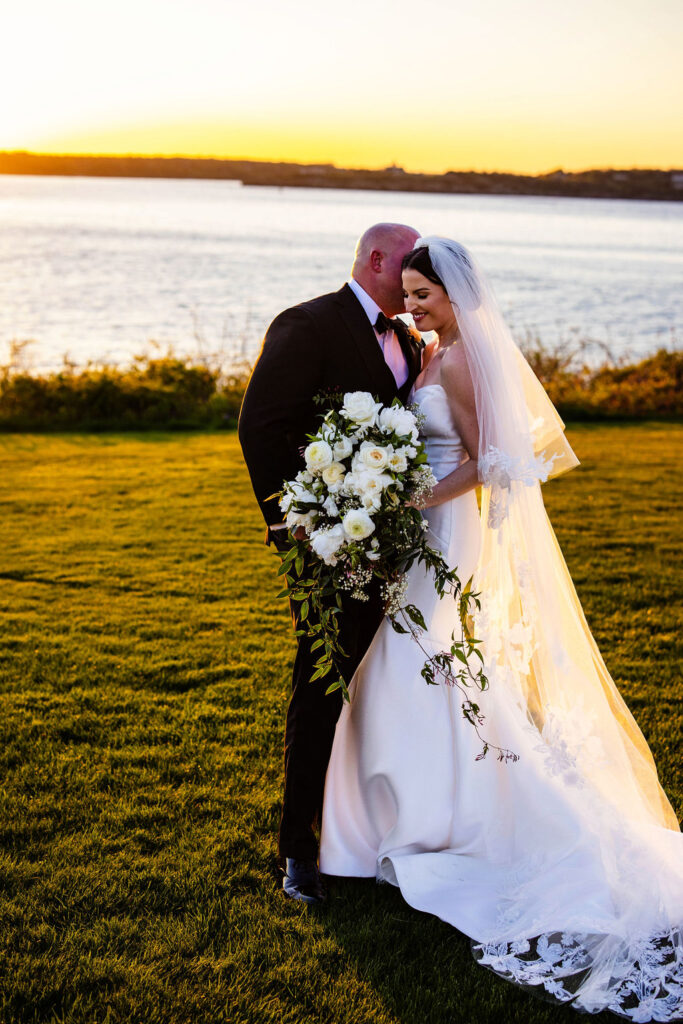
[[605, 184]]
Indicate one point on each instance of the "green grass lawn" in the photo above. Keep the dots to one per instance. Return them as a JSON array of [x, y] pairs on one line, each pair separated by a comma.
[[144, 672]]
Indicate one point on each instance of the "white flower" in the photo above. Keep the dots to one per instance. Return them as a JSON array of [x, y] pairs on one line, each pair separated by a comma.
[[373, 554], [357, 464], [397, 462], [318, 455], [304, 477], [372, 483], [349, 485], [366, 483], [330, 506], [333, 475], [342, 448], [408, 451], [361, 408], [397, 420], [372, 502], [297, 492], [302, 493], [373, 456], [326, 543], [357, 524], [305, 519]]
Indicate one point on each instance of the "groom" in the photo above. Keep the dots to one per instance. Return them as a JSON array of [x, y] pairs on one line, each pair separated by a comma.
[[342, 341]]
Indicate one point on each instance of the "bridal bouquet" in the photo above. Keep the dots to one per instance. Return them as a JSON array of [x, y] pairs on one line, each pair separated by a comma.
[[363, 466], [364, 463]]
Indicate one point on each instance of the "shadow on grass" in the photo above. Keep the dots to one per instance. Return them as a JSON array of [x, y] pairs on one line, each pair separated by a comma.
[[421, 968]]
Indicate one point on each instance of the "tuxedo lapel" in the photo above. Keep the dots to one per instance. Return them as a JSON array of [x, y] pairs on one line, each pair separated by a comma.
[[412, 347], [365, 342]]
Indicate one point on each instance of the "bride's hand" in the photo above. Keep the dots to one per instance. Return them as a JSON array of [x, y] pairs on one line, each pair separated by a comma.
[[425, 502]]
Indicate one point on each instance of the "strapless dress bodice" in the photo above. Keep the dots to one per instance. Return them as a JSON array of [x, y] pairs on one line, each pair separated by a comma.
[[445, 450]]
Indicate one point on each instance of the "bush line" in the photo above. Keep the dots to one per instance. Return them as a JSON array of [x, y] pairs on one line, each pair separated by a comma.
[[183, 393]]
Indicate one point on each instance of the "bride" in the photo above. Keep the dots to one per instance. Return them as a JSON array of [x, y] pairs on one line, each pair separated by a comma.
[[565, 867]]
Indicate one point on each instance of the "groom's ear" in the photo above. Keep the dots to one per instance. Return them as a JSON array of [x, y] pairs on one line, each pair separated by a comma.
[[376, 258]]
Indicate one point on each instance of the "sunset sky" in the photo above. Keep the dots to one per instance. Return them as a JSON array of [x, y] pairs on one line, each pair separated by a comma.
[[431, 85]]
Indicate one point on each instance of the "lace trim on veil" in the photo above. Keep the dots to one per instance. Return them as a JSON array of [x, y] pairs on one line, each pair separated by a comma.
[[498, 469], [645, 980]]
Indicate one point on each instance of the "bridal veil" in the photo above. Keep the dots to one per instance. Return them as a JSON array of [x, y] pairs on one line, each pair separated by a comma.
[[538, 644], [541, 656]]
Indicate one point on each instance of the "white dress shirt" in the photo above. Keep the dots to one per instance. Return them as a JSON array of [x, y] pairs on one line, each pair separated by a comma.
[[388, 342]]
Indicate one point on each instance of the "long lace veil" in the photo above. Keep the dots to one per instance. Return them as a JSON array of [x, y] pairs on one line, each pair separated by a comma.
[[538, 646]]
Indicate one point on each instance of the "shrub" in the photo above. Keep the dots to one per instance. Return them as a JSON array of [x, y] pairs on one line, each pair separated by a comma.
[[180, 393], [648, 389], [152, 393]]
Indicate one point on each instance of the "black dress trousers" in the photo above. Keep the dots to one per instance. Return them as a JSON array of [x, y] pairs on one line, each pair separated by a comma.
[[311, 719]]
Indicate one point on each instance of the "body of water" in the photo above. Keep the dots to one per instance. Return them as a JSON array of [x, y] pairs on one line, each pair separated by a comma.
[[96, 268]]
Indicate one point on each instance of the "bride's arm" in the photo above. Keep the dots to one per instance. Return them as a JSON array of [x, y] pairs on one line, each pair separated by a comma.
[[457, 383]]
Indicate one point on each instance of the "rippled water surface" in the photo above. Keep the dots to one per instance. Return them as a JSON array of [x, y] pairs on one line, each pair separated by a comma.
[[96, 268]]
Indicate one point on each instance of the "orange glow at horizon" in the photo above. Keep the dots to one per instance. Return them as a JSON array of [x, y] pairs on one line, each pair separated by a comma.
[[524, 88], [518, 149]]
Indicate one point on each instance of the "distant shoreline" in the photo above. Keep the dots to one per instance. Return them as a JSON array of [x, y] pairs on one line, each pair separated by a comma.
[[593, 184]]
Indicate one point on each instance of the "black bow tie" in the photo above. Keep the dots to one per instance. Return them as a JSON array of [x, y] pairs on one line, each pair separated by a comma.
[[383, 323]]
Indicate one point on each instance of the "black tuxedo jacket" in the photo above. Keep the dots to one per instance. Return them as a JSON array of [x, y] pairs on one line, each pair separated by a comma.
[[326, 342]]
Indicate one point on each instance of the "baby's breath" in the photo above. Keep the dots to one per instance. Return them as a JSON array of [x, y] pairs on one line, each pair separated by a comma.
[[394, 592], [424, 484], [355, 581]]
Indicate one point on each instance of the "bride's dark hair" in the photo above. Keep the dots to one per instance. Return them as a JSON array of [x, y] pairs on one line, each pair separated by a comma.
[[418, 259]]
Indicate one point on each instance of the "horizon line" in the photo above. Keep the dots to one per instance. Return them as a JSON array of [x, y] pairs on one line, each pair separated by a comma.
[[327, 163]]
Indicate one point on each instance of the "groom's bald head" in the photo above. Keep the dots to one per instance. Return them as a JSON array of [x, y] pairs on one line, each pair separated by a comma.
[[377, 263]]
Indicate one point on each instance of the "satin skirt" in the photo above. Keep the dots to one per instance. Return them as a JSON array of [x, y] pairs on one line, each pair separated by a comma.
[[557, 890], [391, 781]]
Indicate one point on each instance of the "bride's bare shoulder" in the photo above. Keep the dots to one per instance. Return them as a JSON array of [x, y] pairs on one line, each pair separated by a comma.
[[429, 351]]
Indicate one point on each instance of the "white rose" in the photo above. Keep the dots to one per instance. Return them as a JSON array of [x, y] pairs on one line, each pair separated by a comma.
[[333, 475], [373, 456], [342, 448], [357, 524], [367, 485], [361, 408], [397, 462], [326, 543], [397, 420], [318, 455], [372, 483]]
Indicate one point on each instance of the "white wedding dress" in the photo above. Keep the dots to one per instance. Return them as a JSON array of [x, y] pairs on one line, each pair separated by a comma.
[[557, 886]]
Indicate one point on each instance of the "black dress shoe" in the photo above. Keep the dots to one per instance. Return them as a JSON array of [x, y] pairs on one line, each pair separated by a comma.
[[302, 881]]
